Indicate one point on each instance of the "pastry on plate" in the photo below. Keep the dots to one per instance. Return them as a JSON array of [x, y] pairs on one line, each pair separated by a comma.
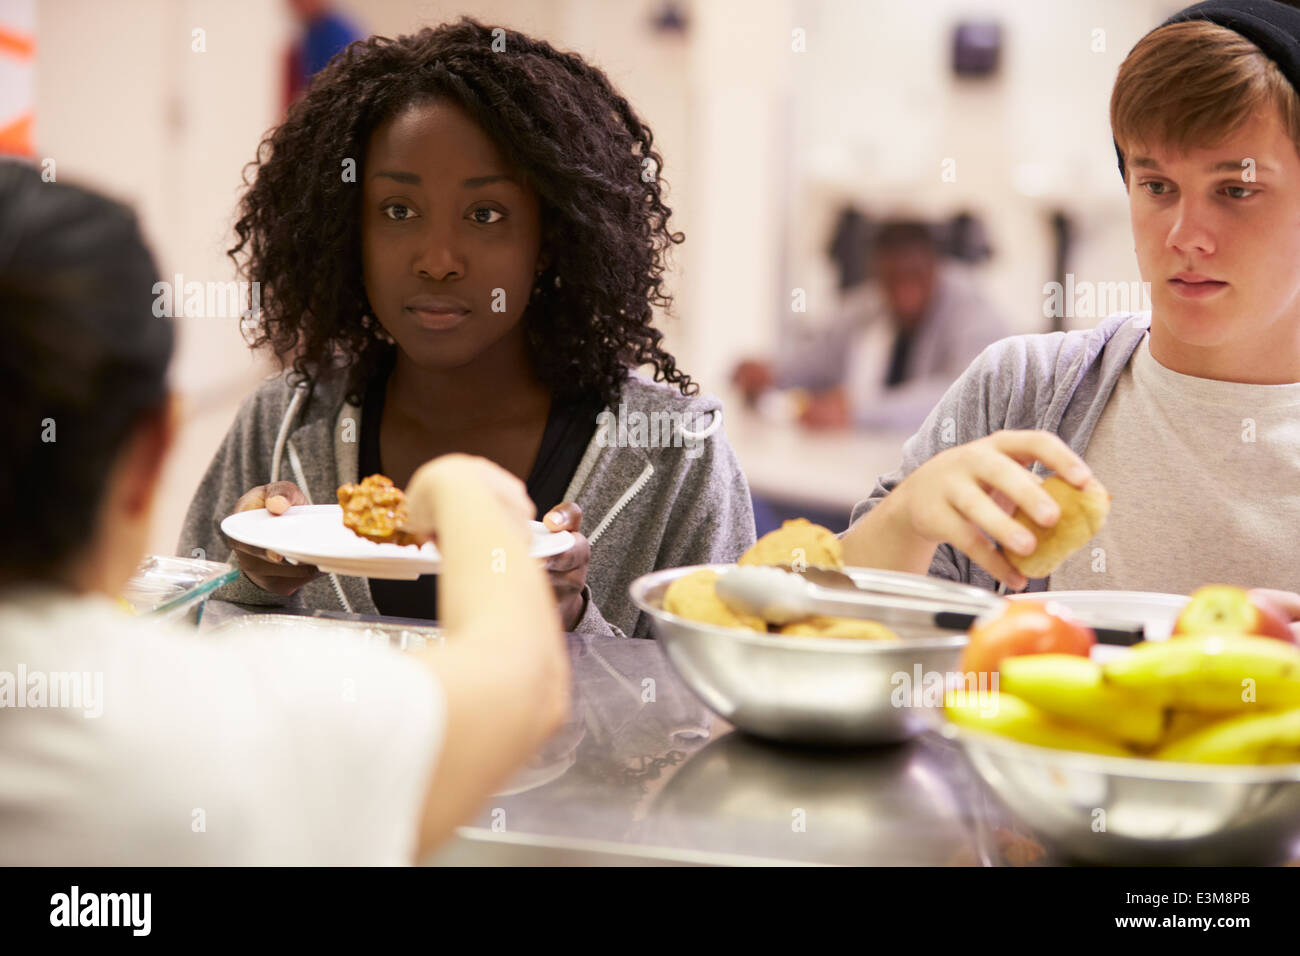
[[376, 509]]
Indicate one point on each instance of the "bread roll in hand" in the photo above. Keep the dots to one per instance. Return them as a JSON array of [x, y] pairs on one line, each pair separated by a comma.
[[1083, 512]]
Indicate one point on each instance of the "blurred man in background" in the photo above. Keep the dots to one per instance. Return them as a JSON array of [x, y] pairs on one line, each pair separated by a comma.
[[885, 359]]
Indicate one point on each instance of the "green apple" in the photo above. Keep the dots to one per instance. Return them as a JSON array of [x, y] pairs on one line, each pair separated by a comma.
[[1224, 609]]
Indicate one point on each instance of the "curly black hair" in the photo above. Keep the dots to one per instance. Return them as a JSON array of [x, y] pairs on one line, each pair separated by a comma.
[[585, 151]]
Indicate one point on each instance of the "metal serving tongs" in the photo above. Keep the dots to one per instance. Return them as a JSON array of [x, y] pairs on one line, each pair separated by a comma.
[[781, 595]]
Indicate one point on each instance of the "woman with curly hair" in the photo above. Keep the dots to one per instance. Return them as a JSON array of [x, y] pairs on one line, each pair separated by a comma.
[[460, 237]]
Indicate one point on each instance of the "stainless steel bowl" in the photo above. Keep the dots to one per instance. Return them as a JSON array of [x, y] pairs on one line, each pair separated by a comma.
[[1126, 810], [805, 690]]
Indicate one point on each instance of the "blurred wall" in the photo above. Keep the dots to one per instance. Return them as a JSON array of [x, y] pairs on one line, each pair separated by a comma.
[[124, 103], [127, 104]]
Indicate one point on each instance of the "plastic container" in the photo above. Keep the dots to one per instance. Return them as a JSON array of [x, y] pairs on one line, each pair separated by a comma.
[[175, 589]]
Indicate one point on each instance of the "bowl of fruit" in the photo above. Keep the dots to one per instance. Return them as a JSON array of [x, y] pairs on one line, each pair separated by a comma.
[[1184, 750]]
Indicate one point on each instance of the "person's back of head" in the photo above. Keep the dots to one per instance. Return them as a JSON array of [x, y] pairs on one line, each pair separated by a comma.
[[83, 369]]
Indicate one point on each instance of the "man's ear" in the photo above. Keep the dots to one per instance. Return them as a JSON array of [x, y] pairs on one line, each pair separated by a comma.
[[148, 451]]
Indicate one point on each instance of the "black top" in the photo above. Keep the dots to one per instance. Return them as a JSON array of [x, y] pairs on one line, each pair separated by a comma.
[[569, 429], [897, 373]]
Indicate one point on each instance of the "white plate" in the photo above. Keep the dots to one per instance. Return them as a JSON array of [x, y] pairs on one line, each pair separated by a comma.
[[314, 534], [1156, 612]]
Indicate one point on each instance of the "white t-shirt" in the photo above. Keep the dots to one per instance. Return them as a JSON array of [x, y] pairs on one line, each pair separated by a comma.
[[162, 746], [1204, 478]]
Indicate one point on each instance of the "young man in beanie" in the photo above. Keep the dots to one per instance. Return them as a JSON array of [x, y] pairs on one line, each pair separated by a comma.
[[1190, 414]]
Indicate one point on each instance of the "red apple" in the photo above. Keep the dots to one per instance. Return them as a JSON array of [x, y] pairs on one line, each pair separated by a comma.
[[1025, 627], [1225, 609]]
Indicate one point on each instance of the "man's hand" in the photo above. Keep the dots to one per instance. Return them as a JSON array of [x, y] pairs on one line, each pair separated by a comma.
[[963, 494], [753, 378], [268, 570], [568, 571], [827, 410]]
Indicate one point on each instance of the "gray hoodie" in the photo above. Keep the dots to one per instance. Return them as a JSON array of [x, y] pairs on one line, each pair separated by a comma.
[[1059, 382], [659, 487]]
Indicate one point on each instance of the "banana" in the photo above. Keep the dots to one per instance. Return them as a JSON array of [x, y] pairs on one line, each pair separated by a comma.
[[1009, 716], [1071, 688], [1184, 723], [1253, 739], [1229, 673]]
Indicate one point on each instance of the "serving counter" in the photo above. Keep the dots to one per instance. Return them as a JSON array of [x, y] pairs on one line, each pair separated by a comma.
[[644, 774]]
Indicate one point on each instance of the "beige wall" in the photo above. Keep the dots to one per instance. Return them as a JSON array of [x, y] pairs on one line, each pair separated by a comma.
[[126, 104]]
